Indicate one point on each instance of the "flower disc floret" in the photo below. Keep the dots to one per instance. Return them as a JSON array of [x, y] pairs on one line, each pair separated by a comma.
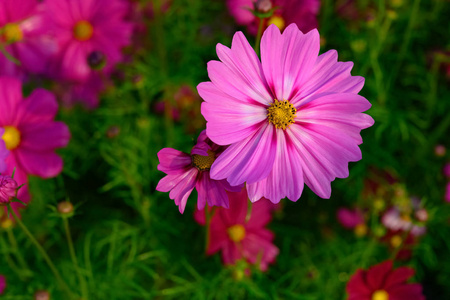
[[236, 233], [380, 295], [12, 33], [281, 114], [11, 136], [203, 163], [83, 30]]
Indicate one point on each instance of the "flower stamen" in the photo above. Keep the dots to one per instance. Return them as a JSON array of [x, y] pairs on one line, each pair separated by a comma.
[[11, 136], [203, 163], [12, 33], [83, 30], [380, 295], [236, 233], [281, 114]]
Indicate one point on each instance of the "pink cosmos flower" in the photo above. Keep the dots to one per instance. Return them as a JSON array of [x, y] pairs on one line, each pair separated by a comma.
[[8, 188], [3, 152], [26, 35], [2, 284], [293, 118], [381, 282], [30, 133], [85, 26], [300, 12], [238, 238], [188, 171], [349, 218]]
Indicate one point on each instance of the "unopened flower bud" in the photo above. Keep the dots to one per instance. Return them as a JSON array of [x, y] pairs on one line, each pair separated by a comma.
[[113, 131], [263, 6], [96, 60], [8, 189], [42, 295], [65, 208]]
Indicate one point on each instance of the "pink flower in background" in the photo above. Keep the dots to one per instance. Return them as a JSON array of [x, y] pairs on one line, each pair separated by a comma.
[[349, 218], [446, 170], [3, 152], [88, 93], [30, 133], [8, 188], [2, 284], [293, 118], [447, 192], [84, 26], [394, 220], [381, 282], [188, 171], [238, 238], [300, 12], [26, 35]]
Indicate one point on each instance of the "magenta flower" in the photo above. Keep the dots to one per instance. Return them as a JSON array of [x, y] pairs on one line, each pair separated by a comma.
[[85, 26], [381, 282], [349, 218], [238, 238], [446, 170], [24, 31], [30, 133], [8, 189], [2, 284], [300, 12], [188, 171], [293, 118], [447, 192]]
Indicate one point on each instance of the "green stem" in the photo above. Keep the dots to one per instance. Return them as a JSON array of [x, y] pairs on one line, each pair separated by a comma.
[[81, 279], [259, 35], [42, 251], [249, 211], [208, 217], [20, 259]]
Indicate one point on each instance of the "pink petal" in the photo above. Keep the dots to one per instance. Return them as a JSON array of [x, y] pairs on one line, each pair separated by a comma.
[[40, 106], [286, 178], [228, 120], [43, 164], [218, 239], [44, 137], [230, 253], [398, 276], [11, 95], [329, 76], [376, 275], [261, 214], [406, 292], [172, 161], [357, 285], [249, 160], [256, 247], [288, 59], [210, 191]]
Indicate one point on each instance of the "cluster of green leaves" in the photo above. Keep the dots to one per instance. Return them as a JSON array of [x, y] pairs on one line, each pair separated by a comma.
[[131, 241]]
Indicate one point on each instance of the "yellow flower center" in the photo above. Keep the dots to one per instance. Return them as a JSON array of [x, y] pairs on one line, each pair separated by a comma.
[[203, 163], [281, 114], [83, 30], [278, 21], [236, 233], [380, 295], [12, 33], [11, 136], [396, 241], [360, 230]]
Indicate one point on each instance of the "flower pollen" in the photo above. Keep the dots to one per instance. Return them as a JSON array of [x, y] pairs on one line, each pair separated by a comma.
[[281, 114], [11, 136], [236, 233], [277, 21], [12, 33], [203, 163], [83, 30], [380, 295]]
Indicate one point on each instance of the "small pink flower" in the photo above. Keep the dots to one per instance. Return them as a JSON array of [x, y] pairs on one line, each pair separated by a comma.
[[447, 192], [27, 37], [303, 13], [188, 171], [2, 284], [238, 238], [30, 133], [446, 170], [84, 26], [8, 189], [381, 282], [291, 119], [349, 218]]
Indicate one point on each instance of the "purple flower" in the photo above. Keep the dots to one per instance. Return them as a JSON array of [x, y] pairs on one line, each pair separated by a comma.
[[292, 119], [188, 171], [8, 189], [84, 26], [349, 218], [26, 35]]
